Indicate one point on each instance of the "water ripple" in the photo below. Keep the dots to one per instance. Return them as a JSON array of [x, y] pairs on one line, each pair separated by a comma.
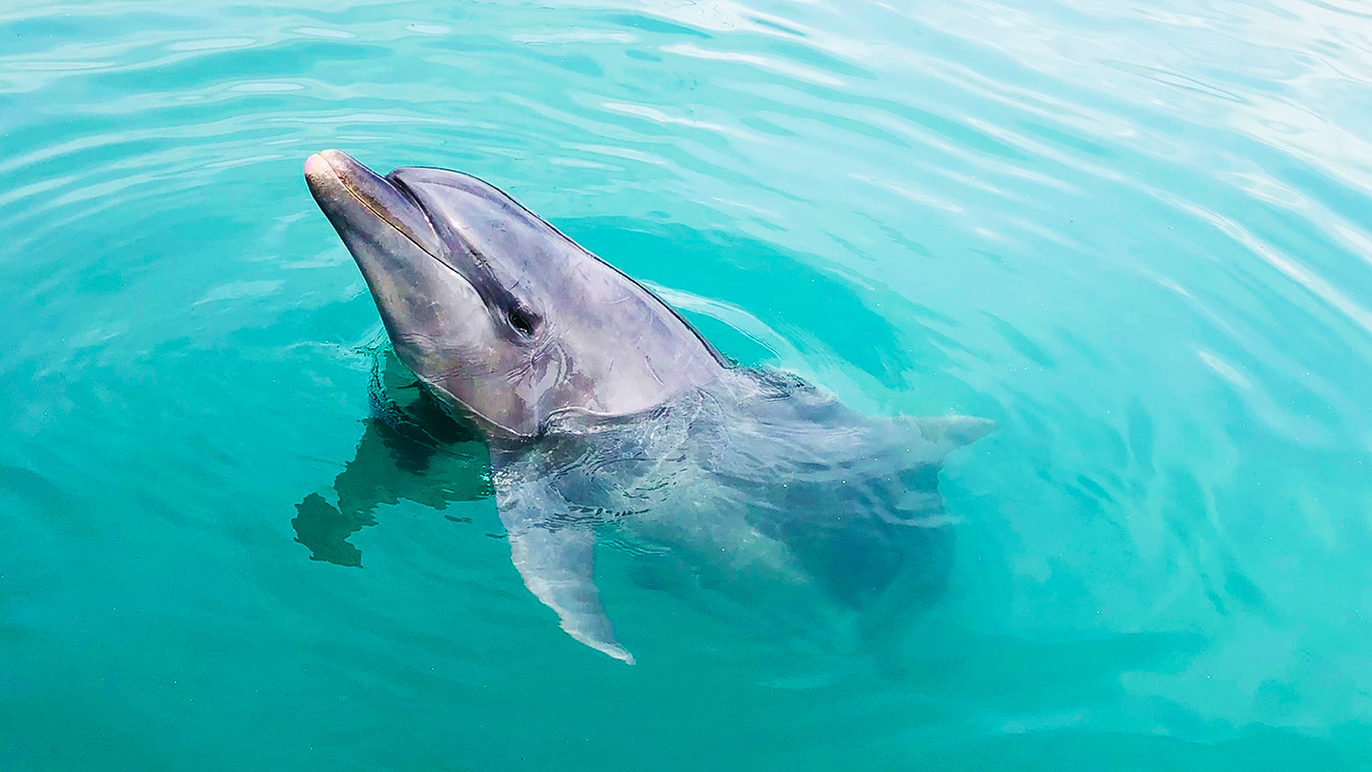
[[1132, 233]]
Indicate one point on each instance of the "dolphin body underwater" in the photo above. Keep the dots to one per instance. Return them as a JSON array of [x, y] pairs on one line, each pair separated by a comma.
[[609, 417]]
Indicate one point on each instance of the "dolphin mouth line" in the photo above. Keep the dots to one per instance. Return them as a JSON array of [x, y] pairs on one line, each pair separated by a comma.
[[387, 217], [390, 220]]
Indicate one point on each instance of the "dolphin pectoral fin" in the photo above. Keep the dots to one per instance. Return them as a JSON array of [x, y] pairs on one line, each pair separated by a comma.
[[948, 433], [556, 558], [557, 564]]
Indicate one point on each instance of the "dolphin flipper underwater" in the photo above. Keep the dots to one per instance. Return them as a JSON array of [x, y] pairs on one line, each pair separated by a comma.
[[607, 415]]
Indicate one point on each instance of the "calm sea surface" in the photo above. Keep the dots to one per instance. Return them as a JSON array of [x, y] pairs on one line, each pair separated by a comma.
[[1135, 234]]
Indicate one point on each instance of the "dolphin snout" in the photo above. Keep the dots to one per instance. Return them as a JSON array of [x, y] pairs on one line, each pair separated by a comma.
[[317, 165], [334, 164], [355, 197]]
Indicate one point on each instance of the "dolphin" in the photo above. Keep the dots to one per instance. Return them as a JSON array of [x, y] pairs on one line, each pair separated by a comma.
[[609, 418]]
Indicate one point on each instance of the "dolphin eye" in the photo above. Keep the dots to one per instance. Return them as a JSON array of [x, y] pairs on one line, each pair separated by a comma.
[[522, 321]]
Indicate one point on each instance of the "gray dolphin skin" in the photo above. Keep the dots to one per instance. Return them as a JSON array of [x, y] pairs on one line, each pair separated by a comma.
[[609, 419]]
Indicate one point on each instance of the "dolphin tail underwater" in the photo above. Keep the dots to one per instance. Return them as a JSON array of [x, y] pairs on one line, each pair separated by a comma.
[[603, 408]]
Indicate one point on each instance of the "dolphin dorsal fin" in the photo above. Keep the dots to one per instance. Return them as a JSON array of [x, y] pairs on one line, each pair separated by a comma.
[[948, 433]]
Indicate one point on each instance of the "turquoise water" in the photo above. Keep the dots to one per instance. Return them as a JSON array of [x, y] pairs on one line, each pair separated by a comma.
[[1134, 234]]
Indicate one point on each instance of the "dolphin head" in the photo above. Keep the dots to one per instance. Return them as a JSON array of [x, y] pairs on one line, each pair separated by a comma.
[[505, 319]]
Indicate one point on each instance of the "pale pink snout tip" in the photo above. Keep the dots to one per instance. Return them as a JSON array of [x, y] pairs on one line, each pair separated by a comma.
[[317, 165]]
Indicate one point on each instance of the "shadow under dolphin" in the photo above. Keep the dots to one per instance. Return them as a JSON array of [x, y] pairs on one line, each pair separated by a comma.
[[410, 450]]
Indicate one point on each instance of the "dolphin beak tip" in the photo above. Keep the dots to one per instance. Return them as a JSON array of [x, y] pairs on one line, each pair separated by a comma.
[[318, 165]]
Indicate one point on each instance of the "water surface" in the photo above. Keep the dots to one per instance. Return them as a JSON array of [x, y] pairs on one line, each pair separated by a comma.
[[1134, 234]]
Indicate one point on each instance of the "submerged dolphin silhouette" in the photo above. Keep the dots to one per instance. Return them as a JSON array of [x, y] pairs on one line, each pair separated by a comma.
[[605, 411]]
